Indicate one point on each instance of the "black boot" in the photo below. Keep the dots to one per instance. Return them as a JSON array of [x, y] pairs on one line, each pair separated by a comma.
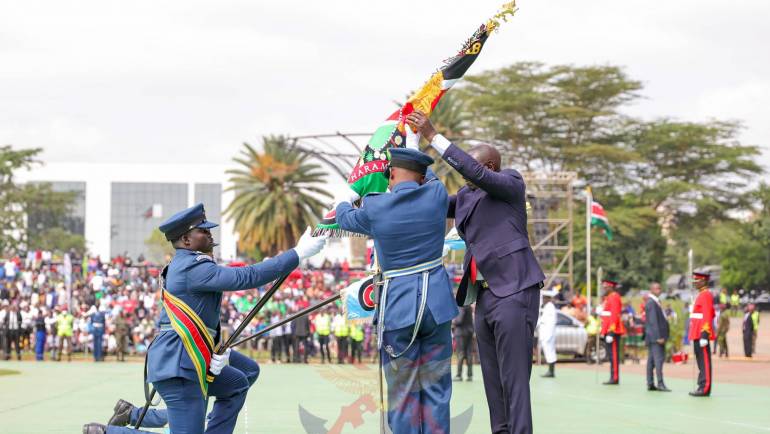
[[121, 415], [94, 428], [550, 373]]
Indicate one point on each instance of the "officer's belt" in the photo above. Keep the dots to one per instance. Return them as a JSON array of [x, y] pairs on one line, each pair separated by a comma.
[[419, 268], [423, 268], [696, 315], [169, 328], [605, 313], [98, 325]]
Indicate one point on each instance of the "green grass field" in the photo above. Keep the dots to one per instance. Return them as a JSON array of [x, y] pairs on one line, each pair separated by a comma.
[[60, 397]]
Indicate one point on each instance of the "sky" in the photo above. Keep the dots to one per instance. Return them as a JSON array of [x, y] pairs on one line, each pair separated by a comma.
[[190, 81]]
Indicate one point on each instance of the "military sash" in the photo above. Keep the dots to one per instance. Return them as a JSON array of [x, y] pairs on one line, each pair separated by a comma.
[[194, 335]]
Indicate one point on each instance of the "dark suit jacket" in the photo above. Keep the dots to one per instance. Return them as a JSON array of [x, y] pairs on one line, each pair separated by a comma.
[[302, 326], [655, 324], [492, 220]]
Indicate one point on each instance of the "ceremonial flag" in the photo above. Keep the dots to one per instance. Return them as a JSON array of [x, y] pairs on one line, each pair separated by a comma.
[[358, 301], [366, 176], [599, 218]]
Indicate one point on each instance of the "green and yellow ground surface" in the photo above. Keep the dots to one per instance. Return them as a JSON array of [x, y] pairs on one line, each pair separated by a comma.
[[53, 397]]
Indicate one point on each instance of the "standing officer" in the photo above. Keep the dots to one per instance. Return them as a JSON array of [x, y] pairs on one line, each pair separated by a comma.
[[64, 322], [323, 325], [656, 333], [748, 332], [547, 331], [612, 328], [301, 327], [702, 331], [415, 306], [723, 326], [122, 330], [463, 331], [356, 342], [179, 359], [341, 334], [98, 321], [491, 216]]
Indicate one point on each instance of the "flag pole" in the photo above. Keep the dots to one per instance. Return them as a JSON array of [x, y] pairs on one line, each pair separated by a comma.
[[589, 199]]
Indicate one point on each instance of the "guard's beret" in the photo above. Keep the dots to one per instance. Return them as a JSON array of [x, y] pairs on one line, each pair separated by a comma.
[[185, 221]]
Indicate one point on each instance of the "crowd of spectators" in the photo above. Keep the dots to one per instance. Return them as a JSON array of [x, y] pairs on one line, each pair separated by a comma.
[[48, 305]]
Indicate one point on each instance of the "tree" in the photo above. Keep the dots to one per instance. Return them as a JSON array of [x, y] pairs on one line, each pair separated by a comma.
[[278, 192], [636, 253], [694, 169], [159, 249], [19, 202], [555, 118]]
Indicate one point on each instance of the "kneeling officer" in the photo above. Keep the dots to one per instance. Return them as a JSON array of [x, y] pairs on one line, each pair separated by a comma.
[[181, 357]]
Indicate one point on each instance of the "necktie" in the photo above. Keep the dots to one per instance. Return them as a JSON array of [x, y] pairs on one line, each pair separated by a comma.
[[474, 270]]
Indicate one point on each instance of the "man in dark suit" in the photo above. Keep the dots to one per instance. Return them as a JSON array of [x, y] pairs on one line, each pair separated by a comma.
[[655, 336], [501, 274], [463, 332], [301, 327]]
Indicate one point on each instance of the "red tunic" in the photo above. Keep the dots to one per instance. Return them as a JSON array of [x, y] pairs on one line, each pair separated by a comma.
[[702, 316], [611, 322]]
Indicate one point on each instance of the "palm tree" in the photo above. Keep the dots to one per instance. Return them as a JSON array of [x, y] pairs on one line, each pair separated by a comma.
[[277, 194]]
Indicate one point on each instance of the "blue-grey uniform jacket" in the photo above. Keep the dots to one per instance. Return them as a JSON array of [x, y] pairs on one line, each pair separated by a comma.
[[407, 226], [199, 282]]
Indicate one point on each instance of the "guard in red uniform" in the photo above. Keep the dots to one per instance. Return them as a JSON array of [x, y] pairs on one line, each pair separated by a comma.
[[612, 327], [702, 331]]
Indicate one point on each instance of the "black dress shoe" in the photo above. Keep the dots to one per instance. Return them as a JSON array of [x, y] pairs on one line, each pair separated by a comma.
[[662, 388], [122, 413], [548, 374], [699, 393], [469, 379], [457, 379], [94, 428], [651, 388], [611, 383]]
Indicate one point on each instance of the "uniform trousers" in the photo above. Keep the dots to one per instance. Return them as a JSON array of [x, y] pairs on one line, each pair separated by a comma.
[[186, 408], [655, 356], [703, 357], [465, 354], [98, 347], [613, 353], [356, 350], [39, 344], [306, 343], [342, 348], [505, 328], [420, 380], [323, 342]]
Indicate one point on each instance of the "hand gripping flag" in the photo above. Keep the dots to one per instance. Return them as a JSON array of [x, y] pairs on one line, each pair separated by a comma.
[[366, 176]]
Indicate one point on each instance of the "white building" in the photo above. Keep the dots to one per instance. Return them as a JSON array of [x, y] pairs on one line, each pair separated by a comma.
[[119, 205]]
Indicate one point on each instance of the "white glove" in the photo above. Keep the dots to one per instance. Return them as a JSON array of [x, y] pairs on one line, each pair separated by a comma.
[[219, 361], [703, 342], [609, 339], [412, 139], [349, 196], [309, 245]]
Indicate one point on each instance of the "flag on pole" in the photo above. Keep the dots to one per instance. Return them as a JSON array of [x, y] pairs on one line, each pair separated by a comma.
[[599, 218], [366, 176]]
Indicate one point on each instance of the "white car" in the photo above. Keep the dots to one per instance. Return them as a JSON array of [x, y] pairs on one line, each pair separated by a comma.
[[572, 338]]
